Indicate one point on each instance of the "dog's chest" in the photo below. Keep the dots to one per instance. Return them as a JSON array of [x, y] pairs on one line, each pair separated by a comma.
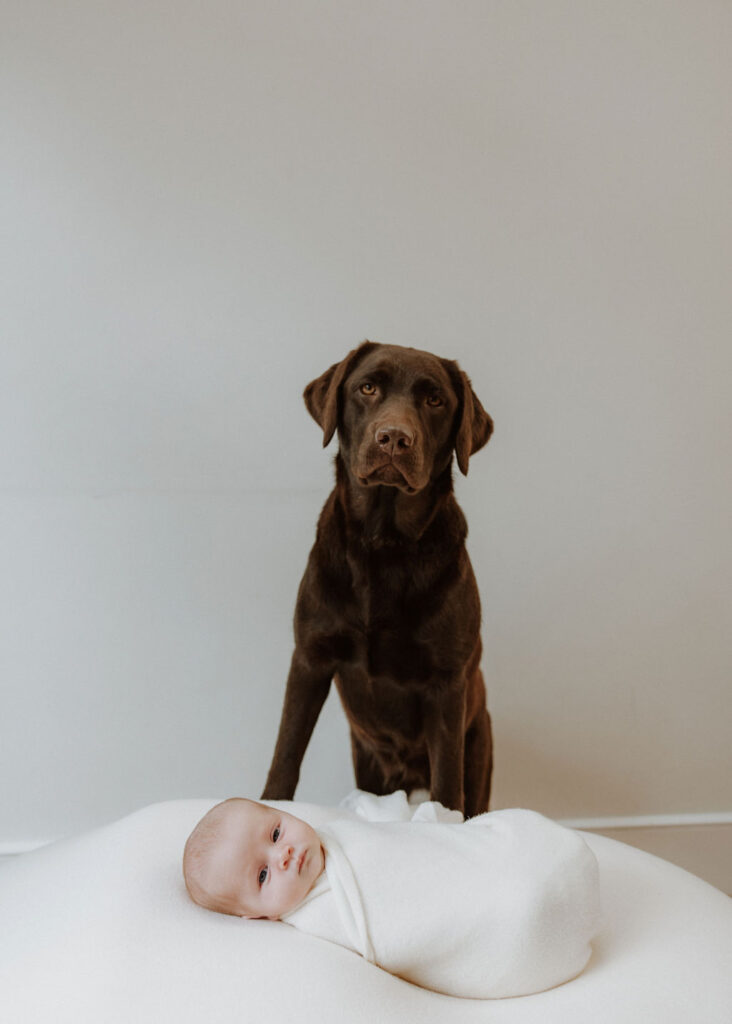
[[383, 618], [384, 590]]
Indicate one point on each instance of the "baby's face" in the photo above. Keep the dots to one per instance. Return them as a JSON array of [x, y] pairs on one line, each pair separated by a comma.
[[267, 861]]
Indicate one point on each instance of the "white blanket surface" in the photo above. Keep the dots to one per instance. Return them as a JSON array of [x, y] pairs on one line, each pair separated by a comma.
[[99, 928], [503, 905]]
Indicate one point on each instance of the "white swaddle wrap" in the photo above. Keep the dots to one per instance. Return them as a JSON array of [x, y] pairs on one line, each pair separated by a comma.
[[504, 904]]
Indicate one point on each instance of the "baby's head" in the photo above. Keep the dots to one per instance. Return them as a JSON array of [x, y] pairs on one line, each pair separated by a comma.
[[250, 860]]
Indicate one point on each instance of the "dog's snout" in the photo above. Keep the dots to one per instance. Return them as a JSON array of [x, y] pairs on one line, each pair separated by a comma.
[[394, 439]]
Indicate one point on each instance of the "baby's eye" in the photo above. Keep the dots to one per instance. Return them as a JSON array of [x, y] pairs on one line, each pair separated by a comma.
[[262, 878], [276, 834]]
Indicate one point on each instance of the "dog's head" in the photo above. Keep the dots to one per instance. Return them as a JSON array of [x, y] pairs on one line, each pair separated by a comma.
[[400, 413]]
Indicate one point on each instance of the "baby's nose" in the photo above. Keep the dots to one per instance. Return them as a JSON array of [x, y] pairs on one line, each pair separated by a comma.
[[286, 856]]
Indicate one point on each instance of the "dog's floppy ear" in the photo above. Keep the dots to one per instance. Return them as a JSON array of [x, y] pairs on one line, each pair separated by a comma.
[[474, 424], [323, 395]]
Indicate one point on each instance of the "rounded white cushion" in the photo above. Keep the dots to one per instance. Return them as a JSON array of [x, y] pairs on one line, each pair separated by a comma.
[[99, 928]]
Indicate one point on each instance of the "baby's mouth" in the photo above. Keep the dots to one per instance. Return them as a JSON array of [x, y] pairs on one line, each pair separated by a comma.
[[301, 861]]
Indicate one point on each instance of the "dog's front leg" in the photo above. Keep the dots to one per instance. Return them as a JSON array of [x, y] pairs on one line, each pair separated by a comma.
[[307, 688], [445, 731]]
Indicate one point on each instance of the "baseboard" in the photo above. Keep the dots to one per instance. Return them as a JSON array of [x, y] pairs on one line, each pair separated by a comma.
[[700, 843]]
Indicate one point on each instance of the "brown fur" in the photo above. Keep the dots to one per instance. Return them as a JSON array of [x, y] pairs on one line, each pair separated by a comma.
[[388, 606]]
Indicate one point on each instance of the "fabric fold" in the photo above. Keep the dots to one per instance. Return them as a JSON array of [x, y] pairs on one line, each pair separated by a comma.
[[504, 904]]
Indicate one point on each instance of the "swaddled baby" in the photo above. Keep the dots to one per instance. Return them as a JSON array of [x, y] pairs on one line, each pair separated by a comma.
[[504, 904]]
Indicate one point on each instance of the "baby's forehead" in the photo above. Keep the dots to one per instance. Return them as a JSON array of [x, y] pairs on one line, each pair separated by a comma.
[[251, 811], [239, 835], [246, 819]]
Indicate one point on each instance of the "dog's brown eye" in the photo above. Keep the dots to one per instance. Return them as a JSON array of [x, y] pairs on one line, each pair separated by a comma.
[[434, 401], [368, 389]]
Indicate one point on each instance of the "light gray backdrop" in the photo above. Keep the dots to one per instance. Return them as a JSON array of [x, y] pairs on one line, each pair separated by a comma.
[[204, 206]]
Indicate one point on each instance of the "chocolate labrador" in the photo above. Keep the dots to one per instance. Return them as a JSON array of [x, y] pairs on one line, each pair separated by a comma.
[[388, 606]]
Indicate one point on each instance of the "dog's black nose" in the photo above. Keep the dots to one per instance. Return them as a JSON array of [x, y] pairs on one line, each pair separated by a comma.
[[394, 439]]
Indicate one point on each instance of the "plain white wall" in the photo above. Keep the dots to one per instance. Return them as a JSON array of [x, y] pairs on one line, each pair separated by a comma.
[[204, 206]]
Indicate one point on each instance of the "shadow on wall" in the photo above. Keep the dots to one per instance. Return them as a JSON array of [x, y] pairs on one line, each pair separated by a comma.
[[523, 770]]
